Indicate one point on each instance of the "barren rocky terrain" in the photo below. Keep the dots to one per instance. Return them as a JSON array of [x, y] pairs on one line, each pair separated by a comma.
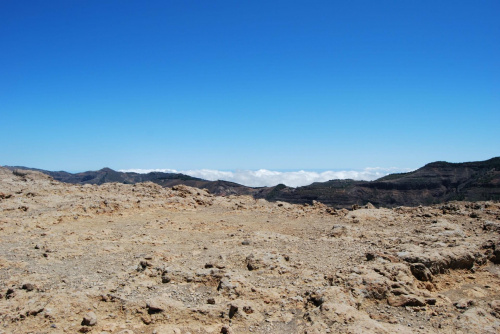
[[141, 258]]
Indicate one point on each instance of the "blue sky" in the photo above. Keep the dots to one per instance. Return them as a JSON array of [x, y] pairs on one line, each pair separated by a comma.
[[229, 85]]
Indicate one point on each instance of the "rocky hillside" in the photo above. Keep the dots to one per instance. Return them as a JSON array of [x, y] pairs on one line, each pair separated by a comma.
[[434, 183], [108, 175], [129, 259]]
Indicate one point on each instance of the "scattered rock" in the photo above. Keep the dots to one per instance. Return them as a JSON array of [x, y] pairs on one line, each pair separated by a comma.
[[146, 319], [495, 305], [90, 319], [5, 196], [248, 309], [338, 231], [491, 226], [431, 301], [232, 310], [463, 304], [369, 206], [10, 293], [226, 285], [253, 263], [155, 306], [226, 330], [370, 256], [405, 300], [143, 265], [421, 272]]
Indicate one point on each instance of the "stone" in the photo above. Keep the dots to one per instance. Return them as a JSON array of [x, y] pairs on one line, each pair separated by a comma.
[[399, 291], [491, 226], [155, 306], [369, 206], [28, 287], [10, 293], [146, 319], [405, 300], [463, 304], [225, 284], [431, 301], [232, 310], [495, 305], [226, 330], [495, 258], [421, 272], [370, 256], [338, 231], [90, 319], [143, 265], [252, 263], [248, 309]]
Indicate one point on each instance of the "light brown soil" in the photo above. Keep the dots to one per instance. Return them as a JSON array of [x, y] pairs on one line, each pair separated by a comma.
[[146, 259]]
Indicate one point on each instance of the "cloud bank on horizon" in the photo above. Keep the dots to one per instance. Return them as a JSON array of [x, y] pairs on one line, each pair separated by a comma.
[[264, 177]]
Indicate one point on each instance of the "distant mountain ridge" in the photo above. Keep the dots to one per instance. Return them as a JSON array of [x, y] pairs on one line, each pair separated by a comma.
[[106, 175], [436, 182]]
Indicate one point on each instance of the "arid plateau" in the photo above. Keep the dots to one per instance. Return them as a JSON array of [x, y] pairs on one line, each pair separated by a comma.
[[122, 259]]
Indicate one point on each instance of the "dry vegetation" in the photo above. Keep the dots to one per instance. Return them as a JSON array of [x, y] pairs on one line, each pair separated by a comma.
[[145, 259]]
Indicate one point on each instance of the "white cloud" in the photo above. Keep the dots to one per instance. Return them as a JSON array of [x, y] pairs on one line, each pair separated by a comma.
[[264, 177]]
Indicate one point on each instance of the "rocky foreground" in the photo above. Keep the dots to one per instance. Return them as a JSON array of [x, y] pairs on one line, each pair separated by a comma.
[[140, 258]]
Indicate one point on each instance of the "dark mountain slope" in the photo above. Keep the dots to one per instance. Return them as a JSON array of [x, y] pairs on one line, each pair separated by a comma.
[[434, 183]]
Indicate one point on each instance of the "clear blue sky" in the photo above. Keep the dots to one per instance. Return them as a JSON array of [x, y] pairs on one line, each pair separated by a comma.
[[248, 84]]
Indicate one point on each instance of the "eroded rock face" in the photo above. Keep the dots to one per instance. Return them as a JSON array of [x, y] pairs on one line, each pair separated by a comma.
[[141, 258]]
